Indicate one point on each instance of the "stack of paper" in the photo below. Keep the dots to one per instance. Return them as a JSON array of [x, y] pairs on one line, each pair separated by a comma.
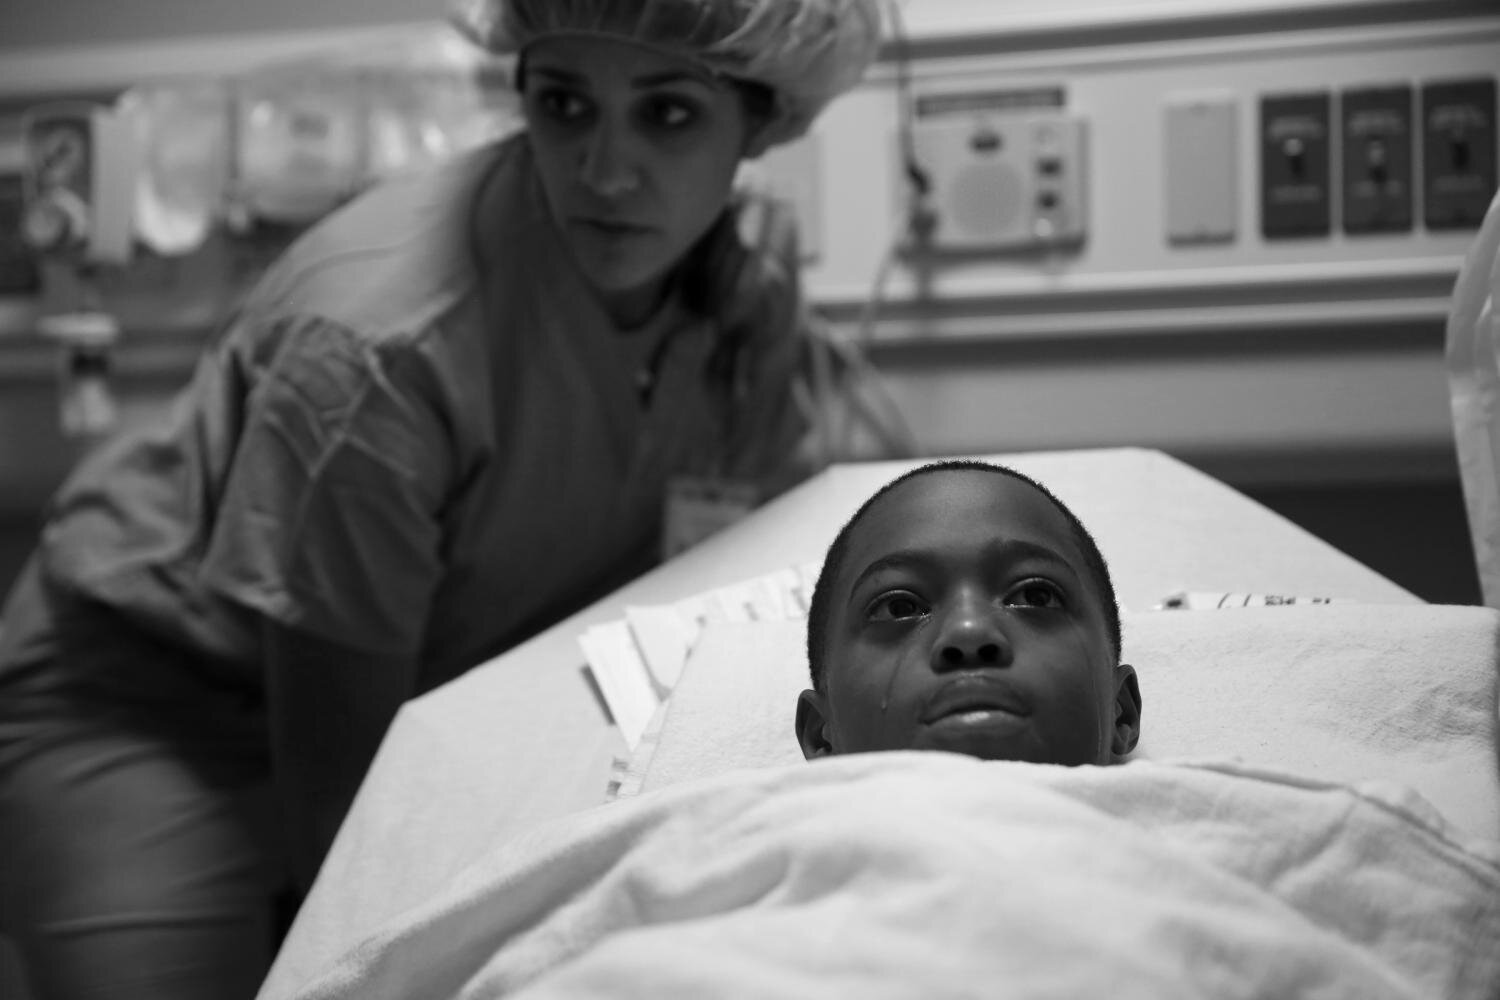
[[636, 661]]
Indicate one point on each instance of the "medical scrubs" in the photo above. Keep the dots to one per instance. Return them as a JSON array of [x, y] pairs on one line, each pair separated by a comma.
[[420, 434]]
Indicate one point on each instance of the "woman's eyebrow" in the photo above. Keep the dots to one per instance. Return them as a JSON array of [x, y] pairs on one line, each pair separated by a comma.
[[559, 75], [643, 82], [671, 76]]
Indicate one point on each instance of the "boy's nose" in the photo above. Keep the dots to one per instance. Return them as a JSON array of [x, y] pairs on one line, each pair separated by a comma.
[[971, 635], [608, 168]]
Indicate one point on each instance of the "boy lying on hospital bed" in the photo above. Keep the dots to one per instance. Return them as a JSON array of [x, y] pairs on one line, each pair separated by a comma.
[[962, 609]]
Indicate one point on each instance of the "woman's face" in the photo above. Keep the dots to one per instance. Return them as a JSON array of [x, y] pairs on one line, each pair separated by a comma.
[[637, 151]]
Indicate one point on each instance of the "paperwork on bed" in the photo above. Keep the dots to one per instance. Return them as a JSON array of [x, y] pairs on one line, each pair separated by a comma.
[[934, 875], [636, 660]]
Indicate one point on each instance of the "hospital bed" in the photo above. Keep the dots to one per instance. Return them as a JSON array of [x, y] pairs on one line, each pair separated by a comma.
[[1315, 798]]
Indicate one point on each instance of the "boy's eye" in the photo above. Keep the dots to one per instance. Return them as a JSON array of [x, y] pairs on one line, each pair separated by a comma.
[[898, 606], [1036, 594]]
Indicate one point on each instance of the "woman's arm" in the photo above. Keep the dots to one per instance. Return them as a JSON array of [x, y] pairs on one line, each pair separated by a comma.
[[329, 707], [326, 533]]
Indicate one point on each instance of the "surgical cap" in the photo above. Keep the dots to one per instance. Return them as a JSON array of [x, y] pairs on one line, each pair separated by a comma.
[[806, 52]]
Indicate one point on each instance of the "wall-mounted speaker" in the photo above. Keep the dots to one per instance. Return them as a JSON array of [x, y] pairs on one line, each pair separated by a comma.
[[1004, 182]]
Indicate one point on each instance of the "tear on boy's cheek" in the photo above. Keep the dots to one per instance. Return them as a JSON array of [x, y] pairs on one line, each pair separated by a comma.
[[890, 686]]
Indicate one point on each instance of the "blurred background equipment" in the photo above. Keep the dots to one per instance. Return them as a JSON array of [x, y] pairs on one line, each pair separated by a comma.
[[151, 211], [1226, 230], [79, 163]]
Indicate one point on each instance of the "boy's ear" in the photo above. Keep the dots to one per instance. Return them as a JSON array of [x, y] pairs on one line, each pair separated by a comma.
[[1127, 730], [812, 725]]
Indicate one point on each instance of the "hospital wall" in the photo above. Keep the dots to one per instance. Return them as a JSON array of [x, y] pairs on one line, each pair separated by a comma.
[[1308, 371]]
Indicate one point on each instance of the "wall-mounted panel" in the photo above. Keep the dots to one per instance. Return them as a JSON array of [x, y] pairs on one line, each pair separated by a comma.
[[1376, 149], [1296, 160], [1458, 142]]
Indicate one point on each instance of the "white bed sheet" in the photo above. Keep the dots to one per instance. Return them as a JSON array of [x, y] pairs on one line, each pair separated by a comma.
[[523, 738]]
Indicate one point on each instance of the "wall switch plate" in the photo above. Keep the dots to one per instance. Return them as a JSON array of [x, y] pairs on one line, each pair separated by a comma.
[[1458, 152], [1294, 165], [1375, 125], [1200, 153]]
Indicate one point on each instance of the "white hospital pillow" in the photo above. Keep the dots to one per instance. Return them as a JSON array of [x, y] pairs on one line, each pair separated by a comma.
[[1344, 693]]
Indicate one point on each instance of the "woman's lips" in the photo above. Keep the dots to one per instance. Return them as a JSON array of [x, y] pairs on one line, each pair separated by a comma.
[[613, 227]]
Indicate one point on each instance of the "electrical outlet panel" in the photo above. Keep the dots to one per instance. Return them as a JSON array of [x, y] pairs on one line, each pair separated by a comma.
[[1458, 152], [1294, 160], [1377, 159], [1004, 182]]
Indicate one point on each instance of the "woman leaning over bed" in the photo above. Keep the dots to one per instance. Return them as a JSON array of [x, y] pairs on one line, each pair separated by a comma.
[[447, 417]]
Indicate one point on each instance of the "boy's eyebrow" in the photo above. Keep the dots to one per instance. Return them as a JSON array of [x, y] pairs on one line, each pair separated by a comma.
[[901, 559], [1004, 549], [1016, 549]]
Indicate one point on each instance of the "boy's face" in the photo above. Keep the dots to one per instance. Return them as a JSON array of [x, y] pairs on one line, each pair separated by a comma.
[[963, 618]]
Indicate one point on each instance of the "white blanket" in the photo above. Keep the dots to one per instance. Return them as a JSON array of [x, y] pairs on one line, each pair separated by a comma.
[[934, 875]]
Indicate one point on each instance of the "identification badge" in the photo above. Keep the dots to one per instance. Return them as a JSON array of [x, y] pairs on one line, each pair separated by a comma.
[[699, 506]]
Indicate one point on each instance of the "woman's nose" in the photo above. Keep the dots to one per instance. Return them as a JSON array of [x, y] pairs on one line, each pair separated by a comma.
[[608, 168], [971, 634]]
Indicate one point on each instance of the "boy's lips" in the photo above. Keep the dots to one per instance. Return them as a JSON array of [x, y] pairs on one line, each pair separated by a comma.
[[973, 693]]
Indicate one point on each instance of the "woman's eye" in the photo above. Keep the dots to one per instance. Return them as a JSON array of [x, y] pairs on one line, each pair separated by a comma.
[[1036, 594], [670, 113], [562, 105], [897, 607]]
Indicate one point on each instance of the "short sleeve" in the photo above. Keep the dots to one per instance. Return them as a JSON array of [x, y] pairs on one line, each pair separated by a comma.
[[330, 518]]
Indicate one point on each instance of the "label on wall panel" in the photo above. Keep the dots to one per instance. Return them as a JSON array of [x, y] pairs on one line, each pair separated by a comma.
[[969, 101], [1377, 155], [1458, 152], [1294, 165]]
